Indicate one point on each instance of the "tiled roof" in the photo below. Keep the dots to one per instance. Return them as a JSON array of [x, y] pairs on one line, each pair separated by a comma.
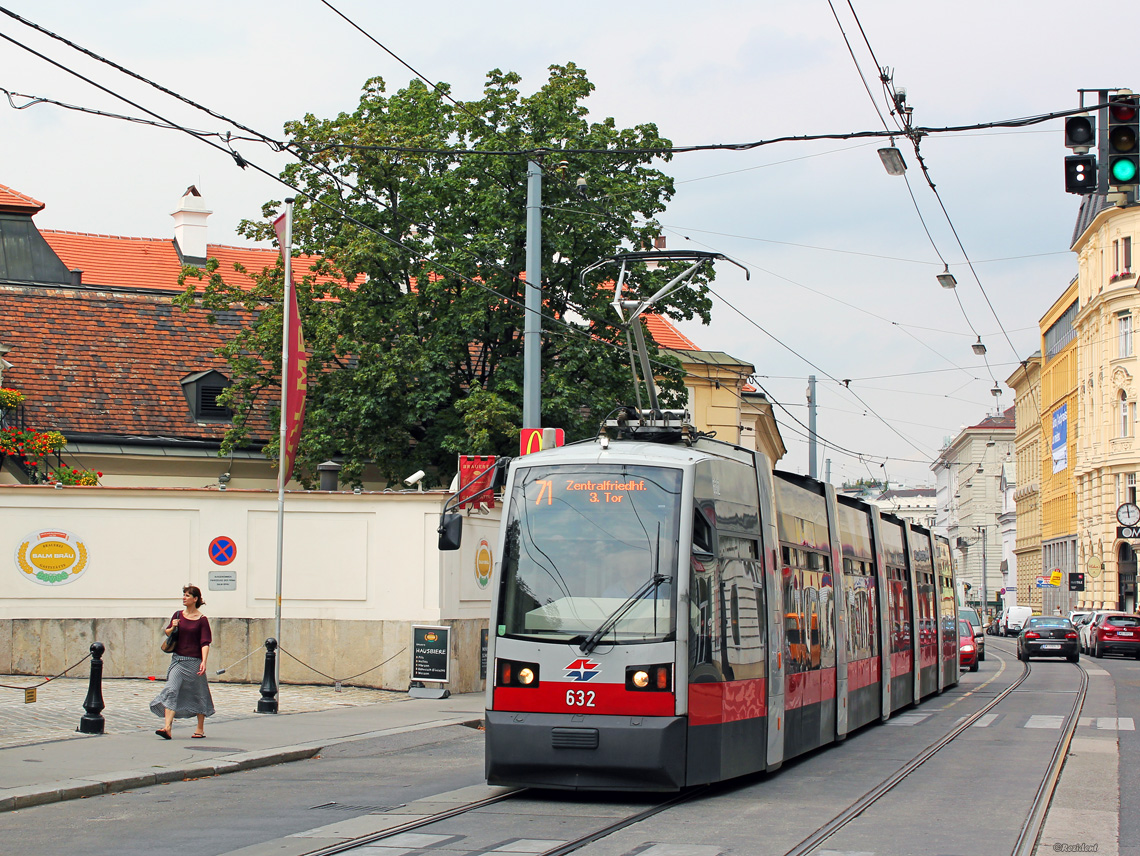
[[13, 202], [153, 263], [666, 335], [110, 363]]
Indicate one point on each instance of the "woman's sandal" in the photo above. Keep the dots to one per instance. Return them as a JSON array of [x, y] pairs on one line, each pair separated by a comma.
[[197, 736], [163, 733]]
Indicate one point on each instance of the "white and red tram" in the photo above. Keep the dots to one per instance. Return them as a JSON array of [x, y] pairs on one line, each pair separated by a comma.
[[667, 614]]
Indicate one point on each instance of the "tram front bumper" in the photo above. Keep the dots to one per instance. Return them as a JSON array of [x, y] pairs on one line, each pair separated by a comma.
[[568, 751]]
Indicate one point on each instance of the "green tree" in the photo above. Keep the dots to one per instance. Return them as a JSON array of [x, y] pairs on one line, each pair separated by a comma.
[[417, 355]]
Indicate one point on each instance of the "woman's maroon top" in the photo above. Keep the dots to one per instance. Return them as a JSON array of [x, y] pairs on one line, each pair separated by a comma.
[[193, 633]]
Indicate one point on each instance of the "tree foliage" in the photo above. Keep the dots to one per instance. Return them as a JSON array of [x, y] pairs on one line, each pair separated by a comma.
[[417, 350]]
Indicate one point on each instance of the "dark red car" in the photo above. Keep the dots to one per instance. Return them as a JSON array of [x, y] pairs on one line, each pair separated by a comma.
[[967, 648], [1115, 633]]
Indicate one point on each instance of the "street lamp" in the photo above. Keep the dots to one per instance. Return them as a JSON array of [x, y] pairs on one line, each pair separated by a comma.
[[983, 530]]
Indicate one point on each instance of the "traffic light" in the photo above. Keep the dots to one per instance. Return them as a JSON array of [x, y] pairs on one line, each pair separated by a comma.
[[1080, 133], [1080, 174], [1123, 134]]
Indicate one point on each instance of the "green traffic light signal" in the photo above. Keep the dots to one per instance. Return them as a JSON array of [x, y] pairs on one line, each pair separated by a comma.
[[1123, 170]]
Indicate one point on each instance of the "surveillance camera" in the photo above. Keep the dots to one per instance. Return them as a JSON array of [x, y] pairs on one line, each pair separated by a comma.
[[414, 478]]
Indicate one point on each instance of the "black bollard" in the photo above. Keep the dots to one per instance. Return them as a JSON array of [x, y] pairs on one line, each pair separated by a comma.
[[92, 721], [268, 701]]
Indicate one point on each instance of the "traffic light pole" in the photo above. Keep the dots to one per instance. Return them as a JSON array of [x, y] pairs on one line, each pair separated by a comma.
[[532, 325]]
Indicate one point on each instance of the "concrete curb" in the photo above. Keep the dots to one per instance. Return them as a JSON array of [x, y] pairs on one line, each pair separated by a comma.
[[73, 789]]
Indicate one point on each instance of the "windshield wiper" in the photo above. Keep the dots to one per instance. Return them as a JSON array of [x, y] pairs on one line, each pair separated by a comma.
[[594, 639]]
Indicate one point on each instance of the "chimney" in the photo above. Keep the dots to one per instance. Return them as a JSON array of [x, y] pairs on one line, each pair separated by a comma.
[[76, 277], [190, 227]]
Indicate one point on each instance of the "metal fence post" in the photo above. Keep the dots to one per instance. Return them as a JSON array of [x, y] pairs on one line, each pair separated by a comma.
[[92, 721], [268, 701]]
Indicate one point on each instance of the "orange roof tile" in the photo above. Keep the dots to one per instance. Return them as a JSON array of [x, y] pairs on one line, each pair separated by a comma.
[[112, 260], [99, 363], [666, 335], [13, 202]]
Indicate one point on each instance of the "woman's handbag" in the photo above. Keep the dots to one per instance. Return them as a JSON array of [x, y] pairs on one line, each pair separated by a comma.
[[170, 641]]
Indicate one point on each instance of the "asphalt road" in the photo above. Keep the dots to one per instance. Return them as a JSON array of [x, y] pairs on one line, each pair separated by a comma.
[[969, 800]]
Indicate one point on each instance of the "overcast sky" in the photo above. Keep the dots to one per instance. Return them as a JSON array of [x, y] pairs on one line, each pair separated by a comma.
[[843, 274]]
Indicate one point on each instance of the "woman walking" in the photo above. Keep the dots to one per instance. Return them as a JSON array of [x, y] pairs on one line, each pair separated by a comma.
[[186, 692]]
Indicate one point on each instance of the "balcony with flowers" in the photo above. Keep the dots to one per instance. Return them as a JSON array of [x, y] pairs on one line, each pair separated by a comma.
[[36, 453]]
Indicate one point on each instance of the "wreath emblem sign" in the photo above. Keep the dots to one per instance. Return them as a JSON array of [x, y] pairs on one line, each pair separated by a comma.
[[51, 557]]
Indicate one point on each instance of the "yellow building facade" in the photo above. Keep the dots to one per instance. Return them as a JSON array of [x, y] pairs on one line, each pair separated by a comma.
[[1059, 358], [1107, 449]]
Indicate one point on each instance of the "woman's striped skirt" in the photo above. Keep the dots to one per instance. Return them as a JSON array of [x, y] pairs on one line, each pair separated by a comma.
[[186, 692]]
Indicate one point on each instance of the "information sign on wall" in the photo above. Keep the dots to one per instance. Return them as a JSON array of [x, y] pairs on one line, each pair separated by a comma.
[[1061, 438], [431, 654]]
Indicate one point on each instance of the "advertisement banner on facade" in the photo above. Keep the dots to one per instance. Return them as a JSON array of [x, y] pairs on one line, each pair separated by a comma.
[[1061, 438]]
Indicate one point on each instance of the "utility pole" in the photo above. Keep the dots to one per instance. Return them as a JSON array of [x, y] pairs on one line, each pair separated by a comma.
[[532, 326], [812, 468], [983, 530]]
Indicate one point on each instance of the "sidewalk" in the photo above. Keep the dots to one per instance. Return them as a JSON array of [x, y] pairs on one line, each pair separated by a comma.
[[43, 759]]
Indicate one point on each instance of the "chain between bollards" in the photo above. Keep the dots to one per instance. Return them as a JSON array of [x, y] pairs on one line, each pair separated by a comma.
[[268, 701], [92, 721]]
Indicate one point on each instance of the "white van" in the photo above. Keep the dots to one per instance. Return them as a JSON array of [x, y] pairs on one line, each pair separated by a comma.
[[1014, 618]]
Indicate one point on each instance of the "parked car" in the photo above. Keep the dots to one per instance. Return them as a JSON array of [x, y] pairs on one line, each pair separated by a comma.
[[967, 614], [967, 650], [1048, 636], [1014, 618], [1116, 633], [1076, 615], [1085, 628]]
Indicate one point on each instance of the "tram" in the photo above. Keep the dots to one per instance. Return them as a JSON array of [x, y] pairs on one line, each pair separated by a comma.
[[670, 611]]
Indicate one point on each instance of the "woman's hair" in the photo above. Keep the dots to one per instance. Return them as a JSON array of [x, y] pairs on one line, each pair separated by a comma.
[[197, 592]]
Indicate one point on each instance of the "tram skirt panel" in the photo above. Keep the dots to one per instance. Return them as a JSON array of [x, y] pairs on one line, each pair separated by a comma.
[[545, 750], [865, 692], [728, 730]]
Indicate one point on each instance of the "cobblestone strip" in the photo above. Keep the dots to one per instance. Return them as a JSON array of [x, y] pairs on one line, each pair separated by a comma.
[[55, 715]]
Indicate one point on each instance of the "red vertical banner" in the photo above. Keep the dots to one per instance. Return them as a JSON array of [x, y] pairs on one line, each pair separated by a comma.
[[295, 375], [470, 467]]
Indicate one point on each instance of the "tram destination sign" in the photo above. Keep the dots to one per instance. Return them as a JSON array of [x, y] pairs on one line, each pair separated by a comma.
[[431, 653]]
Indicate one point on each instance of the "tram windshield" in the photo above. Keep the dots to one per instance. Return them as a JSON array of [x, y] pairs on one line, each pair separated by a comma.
[[583, 541]]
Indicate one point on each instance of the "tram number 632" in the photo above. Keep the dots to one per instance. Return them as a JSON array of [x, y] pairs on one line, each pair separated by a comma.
[[580, 698]]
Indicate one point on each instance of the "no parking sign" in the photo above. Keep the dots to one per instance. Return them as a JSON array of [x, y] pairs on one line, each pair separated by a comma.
[[222, 550]]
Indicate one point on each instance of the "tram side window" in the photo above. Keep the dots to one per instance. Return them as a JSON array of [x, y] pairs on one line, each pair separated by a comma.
[[710, 607], [900, 611], [807, 636], [862, 638], [741, 576]]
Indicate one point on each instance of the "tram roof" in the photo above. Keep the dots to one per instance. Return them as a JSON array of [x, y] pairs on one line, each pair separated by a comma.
[[666, 454]]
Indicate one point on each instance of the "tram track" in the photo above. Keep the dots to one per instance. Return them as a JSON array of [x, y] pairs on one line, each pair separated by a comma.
[[562, 849], [1030, 830], [1025, 843]]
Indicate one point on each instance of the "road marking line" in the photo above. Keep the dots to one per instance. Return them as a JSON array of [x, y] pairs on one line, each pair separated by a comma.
[[1043, 721]]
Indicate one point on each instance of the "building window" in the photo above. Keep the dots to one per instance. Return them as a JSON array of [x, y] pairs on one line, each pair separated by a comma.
[[1130, 488], [1124, 325], [1124, 412], [1119, 480]]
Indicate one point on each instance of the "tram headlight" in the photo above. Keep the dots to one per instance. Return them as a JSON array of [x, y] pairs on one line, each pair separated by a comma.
[[657, 678], [512, 673]]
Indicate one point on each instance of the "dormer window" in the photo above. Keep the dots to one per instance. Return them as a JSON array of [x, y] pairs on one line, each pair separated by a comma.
[[202, 390]]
